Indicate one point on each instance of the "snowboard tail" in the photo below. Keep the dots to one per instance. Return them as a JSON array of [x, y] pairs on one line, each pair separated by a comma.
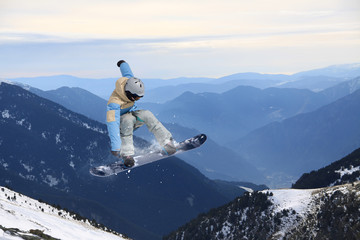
[[118, 167]]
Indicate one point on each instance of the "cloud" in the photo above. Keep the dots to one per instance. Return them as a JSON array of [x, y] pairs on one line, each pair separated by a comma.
[[48, 36], [163, 18]]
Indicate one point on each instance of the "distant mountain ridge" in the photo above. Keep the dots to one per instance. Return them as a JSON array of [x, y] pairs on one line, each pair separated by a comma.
[[77, 100], [244, 108], [315, 80], [342, 89], [340, 70], [306, 141], [239, 111], [329, 76]]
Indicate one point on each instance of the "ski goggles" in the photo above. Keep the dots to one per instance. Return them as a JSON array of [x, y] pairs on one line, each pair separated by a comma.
[[132, 96]]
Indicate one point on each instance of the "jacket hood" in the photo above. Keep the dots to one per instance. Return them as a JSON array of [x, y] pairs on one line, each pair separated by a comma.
[[118, 96]]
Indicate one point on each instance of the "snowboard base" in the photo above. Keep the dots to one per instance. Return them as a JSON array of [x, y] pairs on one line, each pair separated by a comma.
[[118, 167]]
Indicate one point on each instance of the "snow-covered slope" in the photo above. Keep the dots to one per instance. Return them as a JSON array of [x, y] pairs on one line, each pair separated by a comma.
[[298, 202], [21, 216], [323, 213]]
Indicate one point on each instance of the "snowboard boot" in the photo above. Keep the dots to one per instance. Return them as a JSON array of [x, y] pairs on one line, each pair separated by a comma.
[[128, 161], [170, 148]]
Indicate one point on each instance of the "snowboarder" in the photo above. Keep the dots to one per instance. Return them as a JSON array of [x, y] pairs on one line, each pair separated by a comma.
[[123, 117]]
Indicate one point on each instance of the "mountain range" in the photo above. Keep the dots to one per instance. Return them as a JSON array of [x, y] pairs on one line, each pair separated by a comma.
[[160, 90], [273, 136], [304, 80], [47, 150], [330, 212], [305, 142], [77, 100], [245, 111], [94, 107]]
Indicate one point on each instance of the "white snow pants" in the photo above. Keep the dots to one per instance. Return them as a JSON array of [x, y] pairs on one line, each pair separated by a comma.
[[135, 119]]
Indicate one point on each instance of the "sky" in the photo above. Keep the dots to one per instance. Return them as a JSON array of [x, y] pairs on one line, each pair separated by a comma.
[[169, 38]]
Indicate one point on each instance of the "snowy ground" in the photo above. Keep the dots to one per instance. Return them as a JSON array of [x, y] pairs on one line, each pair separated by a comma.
[[25, 214], [301, 201], [294, 199], [298, 200]]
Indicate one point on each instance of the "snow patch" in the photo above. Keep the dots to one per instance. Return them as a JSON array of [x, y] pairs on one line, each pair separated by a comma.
[[44, 135], [246, 189], [28, 177], [294, 199], [57, 138], [95, 129], [92, 145], [64, 179], [347, 171], [5, 114], [226, 229], [6, 81], [191, 199], [51, 181], [20, 122], [24, 123], [23, 213], [5, 165], [71, 164], [27, 167]]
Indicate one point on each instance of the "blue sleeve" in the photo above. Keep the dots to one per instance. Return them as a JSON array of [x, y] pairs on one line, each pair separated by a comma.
[[126, 70], [113, 125], [134, 108]]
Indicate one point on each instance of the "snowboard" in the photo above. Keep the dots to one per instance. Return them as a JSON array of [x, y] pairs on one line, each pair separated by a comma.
[[118, 166]]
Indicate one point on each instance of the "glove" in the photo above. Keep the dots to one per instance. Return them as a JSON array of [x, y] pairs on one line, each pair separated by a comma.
[[120, 62], [116, 153]]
